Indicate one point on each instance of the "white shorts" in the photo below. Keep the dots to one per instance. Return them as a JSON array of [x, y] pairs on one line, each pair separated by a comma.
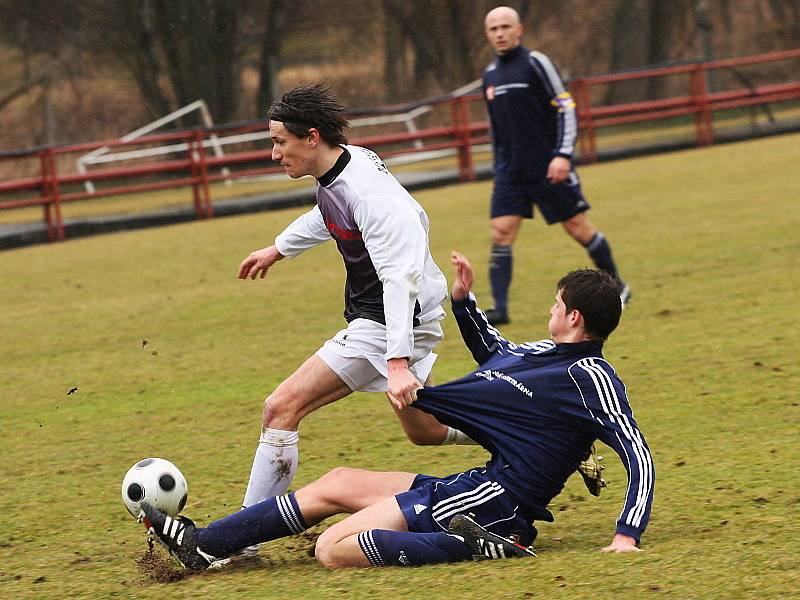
[[358, 354]]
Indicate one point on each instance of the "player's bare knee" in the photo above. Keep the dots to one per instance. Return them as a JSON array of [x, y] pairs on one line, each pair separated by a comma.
[[502, 237], [323, 551], [335, 487], [279, 412], [336, 478], [342, 475], [579, 228]]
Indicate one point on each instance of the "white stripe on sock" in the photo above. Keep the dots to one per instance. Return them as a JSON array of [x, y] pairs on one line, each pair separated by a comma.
[[289, 516]]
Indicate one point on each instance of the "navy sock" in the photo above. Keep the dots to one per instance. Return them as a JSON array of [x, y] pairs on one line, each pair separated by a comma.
[[500, 268], [600, 252], [268, 520], [386, 548]]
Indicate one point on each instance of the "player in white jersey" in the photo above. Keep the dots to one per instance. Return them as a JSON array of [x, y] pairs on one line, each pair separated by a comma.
[[393, 292]]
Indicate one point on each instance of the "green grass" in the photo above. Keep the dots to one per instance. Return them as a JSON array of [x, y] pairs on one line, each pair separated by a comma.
[[708, 349]]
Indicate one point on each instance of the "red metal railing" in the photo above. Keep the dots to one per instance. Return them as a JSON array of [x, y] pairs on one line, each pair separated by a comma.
[[700, 102], [51, 189]]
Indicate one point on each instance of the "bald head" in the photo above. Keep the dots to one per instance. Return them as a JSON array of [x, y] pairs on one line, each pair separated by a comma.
[[502, 12], [503, 29]]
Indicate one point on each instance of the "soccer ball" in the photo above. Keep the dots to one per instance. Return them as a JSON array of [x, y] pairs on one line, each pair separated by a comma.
[[159, 482]]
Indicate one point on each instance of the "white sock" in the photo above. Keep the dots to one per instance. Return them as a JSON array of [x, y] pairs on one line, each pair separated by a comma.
[[274, 465], [454, 436]]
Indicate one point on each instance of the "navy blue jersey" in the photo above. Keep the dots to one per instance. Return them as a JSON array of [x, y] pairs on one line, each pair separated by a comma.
[[537, 407], [532, 115]]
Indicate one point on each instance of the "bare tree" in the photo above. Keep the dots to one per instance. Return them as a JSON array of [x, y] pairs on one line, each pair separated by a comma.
[[445, 37], [630, 47], [274, 27], [668, 18], [787, 13]]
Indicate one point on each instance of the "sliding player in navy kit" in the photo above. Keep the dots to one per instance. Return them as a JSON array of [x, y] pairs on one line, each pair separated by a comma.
[[536, 407], [534, 128]]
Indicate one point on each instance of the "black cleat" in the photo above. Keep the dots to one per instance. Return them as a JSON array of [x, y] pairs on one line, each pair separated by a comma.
[[592, 472], [496, 317], [485, 544], [178, 536]]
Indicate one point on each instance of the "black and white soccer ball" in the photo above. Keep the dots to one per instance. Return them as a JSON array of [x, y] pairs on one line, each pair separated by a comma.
[[159, 482]]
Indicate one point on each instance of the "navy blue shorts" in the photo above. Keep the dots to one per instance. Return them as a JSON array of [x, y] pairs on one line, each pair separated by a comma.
[[432, 501], [557, 203]]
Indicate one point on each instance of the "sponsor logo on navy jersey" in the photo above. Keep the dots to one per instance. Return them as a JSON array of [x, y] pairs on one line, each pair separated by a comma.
[[491, 375]]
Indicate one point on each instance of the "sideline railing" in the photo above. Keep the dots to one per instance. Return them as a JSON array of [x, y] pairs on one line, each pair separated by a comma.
[[465, 127], [700, 102]]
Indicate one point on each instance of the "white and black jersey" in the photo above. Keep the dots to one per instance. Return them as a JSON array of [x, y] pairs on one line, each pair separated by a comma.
[[382, 235]]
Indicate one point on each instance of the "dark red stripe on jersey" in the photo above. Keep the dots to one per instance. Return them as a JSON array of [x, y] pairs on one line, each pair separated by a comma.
[[343, 234]]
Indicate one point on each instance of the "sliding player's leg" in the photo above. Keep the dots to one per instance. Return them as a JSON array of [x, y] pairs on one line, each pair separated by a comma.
[[342, 490], [378, 536]]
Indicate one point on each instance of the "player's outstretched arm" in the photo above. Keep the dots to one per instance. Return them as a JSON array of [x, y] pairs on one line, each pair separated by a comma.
[[305, 232], [622, 543], [258, 263], [604, 405], [481, 339]]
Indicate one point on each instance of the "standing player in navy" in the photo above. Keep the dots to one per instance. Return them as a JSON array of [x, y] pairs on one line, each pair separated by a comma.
[[534, 128], [393, 293], [536, 407]]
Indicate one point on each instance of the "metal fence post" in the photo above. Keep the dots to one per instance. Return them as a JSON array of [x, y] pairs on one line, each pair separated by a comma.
[[466, 169], [704, 129], [52, 196], [199, 172], [586, 141]]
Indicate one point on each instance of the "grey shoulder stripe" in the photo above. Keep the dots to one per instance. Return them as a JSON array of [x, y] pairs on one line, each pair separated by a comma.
[[549, 71], [568, 123]]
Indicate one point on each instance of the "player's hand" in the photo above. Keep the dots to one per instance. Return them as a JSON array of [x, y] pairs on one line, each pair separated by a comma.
[[464, 276], [622, 543], [258, 263], [402, 387], [558, 170]]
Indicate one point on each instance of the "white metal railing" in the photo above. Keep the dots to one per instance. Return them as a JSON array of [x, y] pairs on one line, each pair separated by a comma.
[[216, 143]]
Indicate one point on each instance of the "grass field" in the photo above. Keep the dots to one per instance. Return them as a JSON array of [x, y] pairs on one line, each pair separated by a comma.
[[171, 356]]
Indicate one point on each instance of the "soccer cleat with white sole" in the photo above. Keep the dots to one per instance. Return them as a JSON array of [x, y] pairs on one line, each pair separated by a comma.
[[483, 543], [246, 555], [178, 536]]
